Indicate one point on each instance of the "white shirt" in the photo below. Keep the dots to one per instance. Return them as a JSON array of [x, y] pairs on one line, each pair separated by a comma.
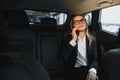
[[81, 53]]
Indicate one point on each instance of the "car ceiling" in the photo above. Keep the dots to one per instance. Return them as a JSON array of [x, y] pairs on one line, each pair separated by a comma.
[[68, 6]]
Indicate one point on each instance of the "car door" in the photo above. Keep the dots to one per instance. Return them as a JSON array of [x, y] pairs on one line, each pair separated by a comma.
[[110, 24]]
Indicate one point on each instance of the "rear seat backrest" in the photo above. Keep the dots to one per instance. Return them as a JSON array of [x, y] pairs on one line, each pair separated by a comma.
[[49, 46]]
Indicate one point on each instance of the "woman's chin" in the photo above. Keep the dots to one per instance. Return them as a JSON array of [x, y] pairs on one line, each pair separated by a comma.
[[81, 30]]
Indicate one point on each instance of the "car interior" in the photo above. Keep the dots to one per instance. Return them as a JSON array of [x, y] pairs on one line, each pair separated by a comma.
[[32, 31]]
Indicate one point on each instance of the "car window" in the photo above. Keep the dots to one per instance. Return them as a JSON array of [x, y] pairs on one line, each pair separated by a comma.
[[110, 19], [88, 18], [36, 16]]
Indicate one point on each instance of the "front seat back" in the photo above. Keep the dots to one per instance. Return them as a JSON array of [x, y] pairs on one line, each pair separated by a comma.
[[22, 37], [111, 64], [21, 67]]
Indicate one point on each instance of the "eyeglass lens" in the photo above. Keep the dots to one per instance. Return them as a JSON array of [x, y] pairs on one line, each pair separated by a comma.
[[79, 21]]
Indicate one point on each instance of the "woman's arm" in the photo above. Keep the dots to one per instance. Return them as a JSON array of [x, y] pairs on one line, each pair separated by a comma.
[[67, 48]]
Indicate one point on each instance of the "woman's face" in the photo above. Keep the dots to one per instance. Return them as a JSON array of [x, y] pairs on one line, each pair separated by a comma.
[[79, 23]]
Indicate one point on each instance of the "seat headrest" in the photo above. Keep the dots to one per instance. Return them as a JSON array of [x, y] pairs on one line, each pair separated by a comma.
[[2, 18], [111, 64], [113, 52], [48, 23], [18, 19]]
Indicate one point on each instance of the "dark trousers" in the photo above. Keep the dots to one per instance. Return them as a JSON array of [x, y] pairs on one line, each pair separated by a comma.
[[79, 73]]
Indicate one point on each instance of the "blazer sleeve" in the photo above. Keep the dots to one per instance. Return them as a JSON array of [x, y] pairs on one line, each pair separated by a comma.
[[67, 49]]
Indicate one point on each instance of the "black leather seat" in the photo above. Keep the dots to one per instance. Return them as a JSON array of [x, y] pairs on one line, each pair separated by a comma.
[[111, 64], [22, 38], [21, 67], [4, 40], [15, 63], [49, 43]]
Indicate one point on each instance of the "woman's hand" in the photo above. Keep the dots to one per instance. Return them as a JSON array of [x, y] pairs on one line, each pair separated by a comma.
[[92, 76], [74, 35]]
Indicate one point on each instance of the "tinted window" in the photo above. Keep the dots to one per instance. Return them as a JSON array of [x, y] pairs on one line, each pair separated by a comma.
[[36, 16], [110, 19], [88, 18]]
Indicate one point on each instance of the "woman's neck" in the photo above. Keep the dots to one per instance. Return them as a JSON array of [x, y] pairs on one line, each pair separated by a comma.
[[81, 35]]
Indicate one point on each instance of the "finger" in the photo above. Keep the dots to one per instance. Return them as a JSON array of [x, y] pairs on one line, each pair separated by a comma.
[[74, 29], [97, 78], [94, 78], [87, 77], [91, 78]]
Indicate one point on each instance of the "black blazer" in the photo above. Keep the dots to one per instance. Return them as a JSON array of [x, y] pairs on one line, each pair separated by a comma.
[[69, 53]]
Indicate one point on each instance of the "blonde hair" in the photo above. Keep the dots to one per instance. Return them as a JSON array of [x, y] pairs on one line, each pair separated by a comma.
[[86, 30]]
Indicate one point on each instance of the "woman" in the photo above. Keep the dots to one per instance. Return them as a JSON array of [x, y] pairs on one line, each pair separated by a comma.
[[79, 52]]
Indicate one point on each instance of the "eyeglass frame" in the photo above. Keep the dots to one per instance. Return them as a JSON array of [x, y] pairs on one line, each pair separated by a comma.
[[77, 22]]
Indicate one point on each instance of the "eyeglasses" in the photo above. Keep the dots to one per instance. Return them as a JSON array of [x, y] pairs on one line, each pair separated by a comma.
[[79, 21]]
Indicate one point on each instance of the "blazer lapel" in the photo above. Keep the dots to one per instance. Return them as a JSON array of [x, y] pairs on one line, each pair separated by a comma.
[[87, 47]]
